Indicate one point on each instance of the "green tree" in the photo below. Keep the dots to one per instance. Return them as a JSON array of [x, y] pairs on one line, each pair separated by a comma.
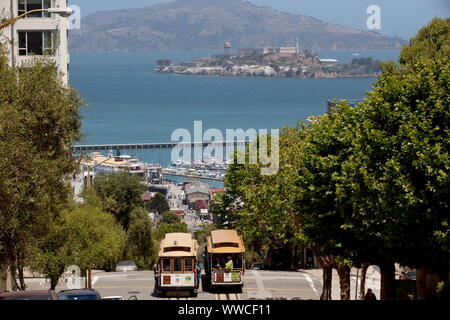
[[120, 193], [326, 147], [399, 174], [161, 232], [165, 228], [261, 207], [201, 235], [170, 218], [158, 204], [85, 236], [432, 41], [39, 123], [139, 246]]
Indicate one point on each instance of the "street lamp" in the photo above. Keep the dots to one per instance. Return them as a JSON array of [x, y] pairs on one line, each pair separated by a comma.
[[63, 12]]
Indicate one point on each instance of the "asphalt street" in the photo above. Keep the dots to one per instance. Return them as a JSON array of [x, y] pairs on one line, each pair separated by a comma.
[[258, 285]]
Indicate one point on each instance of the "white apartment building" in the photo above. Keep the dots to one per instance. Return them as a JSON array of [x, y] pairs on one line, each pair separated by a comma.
[[38, 34]]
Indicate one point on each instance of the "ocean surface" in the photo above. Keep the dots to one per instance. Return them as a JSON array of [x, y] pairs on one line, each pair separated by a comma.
[[129, 103]]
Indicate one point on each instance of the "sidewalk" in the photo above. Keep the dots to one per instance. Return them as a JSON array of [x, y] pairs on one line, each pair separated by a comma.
[[372, 281]]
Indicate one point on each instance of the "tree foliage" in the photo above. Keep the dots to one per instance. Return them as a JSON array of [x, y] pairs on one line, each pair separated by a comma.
[[158, 204], [169, 218], [85, 236], [39, 122], [262, 207], [165, 228], [120, 193], [139, 246], [431, 42], [201, 236]]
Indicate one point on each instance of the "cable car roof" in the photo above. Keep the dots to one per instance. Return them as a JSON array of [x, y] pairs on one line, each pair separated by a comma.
[[225, 241], [178, 244]]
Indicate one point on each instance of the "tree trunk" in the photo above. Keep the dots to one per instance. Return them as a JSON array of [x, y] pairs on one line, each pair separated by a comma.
[[362, 287], [327, 272], [15, 285], [344, 280], [421, 284], [21, 277], [293, 257], [90, 278], [387, 282], [53, 282]]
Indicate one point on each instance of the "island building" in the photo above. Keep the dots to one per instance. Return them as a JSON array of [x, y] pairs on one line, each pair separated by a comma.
[[38, 34], [268, 50], [163, 63], [329, 61]]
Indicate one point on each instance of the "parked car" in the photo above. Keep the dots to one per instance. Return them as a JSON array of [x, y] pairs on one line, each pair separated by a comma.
[[256, 266], [124, 266], [29, 295], [79, 294], [114, 298], [410, 275]]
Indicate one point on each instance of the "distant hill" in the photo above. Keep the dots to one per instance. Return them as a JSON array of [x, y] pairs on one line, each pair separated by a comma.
[[207, 24]]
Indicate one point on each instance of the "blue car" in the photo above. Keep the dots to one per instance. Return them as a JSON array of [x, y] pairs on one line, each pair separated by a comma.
[[81, 294]]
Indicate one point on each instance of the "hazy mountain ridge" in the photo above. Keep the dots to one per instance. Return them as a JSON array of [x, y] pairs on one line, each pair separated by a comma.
[[207, 24]]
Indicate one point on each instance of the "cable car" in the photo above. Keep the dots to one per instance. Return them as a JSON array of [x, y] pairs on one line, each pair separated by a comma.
[[224, 260], [176, 269]]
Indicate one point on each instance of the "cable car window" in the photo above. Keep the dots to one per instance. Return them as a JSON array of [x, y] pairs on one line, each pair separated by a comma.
[[177, 265], [166, 264], [188, 265]]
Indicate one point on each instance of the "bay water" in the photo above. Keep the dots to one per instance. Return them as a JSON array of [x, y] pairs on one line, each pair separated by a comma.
[[129, 103]]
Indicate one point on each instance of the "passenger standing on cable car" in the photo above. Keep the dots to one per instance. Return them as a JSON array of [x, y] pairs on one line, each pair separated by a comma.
[[229, 264]]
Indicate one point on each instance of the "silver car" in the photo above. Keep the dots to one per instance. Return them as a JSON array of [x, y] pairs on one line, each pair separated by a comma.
[[125, 266]]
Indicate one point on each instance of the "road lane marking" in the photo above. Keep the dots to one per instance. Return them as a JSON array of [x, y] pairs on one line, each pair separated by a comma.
[[259, 282], [123, 287], [279, 289], [227, 296], [262, 291], [311, 284]]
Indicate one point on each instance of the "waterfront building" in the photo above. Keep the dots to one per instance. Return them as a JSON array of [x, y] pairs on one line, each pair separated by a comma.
[[38, 34], [197, 191], [100, 163]]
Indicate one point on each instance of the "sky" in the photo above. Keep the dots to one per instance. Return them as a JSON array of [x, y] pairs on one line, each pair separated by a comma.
[[401, 18]]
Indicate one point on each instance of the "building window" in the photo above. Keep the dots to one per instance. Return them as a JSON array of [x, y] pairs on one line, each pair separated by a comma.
[[36, 43], [28, 5]]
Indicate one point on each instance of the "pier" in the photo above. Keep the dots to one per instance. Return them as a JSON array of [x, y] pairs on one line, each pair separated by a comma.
[[161, 145]]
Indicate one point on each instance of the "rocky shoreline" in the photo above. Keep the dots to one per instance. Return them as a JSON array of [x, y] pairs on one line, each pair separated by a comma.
[[260, 71], [302, 65]]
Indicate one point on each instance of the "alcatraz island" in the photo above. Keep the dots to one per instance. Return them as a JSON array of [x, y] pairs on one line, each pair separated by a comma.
[[282, 62]]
